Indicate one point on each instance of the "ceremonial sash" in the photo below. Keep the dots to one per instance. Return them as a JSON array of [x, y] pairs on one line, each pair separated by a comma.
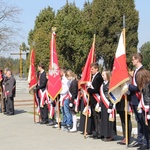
[[62, 99], [50, 105], [107, 103], [85, 98], [135, 84], [144, 107], [42, 97], [37, 104], [76, 101], [85, 111]]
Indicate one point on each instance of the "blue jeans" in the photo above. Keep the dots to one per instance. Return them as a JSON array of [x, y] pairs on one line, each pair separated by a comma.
[[67, 116]]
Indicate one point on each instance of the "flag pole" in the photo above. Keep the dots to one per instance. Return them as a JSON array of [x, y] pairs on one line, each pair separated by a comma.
[[86, 119], [58, 112], [126, 103]]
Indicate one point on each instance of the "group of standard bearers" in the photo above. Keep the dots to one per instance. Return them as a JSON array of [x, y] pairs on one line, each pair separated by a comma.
[[101, 122]]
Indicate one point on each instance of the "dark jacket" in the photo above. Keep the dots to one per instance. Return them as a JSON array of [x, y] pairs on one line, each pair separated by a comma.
[[96, 83], [10, 86], [42, 81], [133, 89], [146, 94], [73, 89]]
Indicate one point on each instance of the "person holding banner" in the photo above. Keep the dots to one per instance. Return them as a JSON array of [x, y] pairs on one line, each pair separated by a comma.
[[135, 99], [120, 108], [107, 111], [40, 90], [143, 83], [93, 88]]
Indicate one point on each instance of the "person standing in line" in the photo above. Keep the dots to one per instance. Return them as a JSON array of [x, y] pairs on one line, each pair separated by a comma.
[[135, 98], [3, 90], [93, 88], [10, 91], [143, 83], [40, 89], [73, 92], [64, 100], [107, 126]]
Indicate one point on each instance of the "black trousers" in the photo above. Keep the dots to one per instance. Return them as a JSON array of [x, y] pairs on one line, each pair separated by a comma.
[[44, 113], [122, 118], [10, 105], [97, 121]]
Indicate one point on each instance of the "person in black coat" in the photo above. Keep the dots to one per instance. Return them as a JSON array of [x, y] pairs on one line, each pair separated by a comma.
[[10, 90], [41, 87], [108, 124], [143, 83], [135, 99], [93, 88], [73, 92]]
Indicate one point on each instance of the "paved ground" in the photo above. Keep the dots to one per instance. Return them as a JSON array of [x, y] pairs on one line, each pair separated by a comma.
[[19, 132]]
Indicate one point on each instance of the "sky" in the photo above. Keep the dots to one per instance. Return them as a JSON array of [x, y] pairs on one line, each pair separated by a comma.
[[31, 9]]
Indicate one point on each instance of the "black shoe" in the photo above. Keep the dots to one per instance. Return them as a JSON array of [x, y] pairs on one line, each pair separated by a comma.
[[10, 114], [135, 144], [121, 143], [44, 122], [51, 123], [108, 139], [5, 113], [143, 147]]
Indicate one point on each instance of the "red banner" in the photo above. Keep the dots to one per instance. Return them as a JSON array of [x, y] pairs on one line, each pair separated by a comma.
[[86, 73], [32, 73], [54, 79]]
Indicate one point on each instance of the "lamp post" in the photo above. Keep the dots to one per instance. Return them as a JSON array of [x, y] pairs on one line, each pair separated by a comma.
[[21, 48]]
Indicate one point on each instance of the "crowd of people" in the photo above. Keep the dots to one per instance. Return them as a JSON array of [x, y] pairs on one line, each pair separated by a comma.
[[101, 122]]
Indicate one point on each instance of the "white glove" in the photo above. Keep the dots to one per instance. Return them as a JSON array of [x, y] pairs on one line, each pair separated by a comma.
[[148, 117], [140, 111], [89, 84], [109, 111], [128, 92], [70, 104], [99, 109]]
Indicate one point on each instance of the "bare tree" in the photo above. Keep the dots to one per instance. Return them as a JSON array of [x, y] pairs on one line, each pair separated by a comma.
[[9, 28]]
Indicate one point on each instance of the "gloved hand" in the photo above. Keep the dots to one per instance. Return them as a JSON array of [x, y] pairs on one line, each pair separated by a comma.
[[70, 104], [89, 84], [140, 111], [148, 117], [109, 110]]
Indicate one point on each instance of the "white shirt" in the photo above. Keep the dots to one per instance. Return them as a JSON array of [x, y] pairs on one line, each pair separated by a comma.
[[65, 86]]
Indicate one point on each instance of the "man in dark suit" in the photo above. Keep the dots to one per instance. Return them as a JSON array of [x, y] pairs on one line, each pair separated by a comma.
[[93, 88], [10, 91], [40, 89], [135, 98]]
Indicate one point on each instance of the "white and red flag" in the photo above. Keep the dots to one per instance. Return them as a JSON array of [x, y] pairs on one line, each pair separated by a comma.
[[120, 76], [32, 73], [54, 79]]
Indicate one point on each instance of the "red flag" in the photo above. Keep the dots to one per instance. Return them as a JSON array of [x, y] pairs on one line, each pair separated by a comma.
[[1, 75], [32, 74], [54, 79], [86, 73], [118, 83]]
